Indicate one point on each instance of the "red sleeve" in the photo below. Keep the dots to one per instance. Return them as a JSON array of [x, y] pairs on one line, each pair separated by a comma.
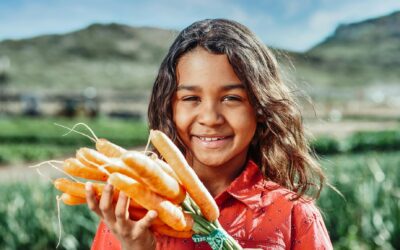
[[309, 231], [104, 239]]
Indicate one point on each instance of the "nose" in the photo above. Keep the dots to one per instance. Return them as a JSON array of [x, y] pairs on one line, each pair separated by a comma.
[[210, 114]]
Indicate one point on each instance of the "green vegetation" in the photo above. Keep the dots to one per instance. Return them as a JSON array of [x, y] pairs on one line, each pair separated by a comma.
[[23, 153], [28, 219], [24, 139], [357, 54], [368, 217], [105, 56], [388, 140], [128, 57], [29, 140]]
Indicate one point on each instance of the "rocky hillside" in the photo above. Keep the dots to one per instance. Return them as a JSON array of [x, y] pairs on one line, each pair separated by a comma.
[[362, 53]]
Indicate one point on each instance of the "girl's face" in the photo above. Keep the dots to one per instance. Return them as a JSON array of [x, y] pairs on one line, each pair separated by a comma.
[[212, 111]]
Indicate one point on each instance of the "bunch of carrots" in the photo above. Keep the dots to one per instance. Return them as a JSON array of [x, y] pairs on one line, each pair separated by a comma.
[[185, 208]]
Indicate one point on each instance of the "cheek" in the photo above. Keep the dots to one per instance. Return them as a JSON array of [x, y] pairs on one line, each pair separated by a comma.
[[247, 130], [243, 120], [181, 120]]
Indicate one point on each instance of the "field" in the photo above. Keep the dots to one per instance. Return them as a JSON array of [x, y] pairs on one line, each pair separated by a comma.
[[364, 167], [29, 140], [368, 214]]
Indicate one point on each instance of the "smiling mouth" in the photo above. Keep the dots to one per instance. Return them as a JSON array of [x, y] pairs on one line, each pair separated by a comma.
[[210, 139], [213, 142]]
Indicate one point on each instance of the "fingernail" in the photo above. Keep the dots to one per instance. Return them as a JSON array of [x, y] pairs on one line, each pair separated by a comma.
[[88, 186], [152, 214], [108, 187]]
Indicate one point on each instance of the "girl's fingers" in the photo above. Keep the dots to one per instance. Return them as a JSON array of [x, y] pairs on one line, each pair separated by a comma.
[[123, 223], [121, 209], [146, 221], [106, 204], [91, 200]]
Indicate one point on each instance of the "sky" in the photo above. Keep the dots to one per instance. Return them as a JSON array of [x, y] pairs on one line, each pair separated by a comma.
[[295, 25]]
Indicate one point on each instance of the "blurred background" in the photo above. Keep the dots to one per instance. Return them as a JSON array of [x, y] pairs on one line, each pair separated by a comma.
[[95, 61]]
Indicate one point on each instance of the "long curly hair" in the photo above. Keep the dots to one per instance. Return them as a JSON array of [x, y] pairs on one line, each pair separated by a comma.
[[279, 146]]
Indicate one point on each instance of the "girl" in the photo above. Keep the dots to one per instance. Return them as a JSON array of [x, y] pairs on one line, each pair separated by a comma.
[[219, 96]]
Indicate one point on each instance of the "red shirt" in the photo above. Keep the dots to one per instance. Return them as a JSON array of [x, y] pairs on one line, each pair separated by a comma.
[[257, 213]]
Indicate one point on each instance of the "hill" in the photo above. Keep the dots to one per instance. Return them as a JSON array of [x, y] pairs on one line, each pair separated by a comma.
[[120, 57], [356, 54], [102, 55]]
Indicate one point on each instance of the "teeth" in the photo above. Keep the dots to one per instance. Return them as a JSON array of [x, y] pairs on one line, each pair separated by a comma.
[[209, 139]]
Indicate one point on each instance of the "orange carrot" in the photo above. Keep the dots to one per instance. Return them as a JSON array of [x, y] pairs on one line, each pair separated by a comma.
[[159, 226], [154, 177], [91, 157], [168, 231], [167, 168], [72, 200], [139, 213], [116, 165], [186, 174], [109, 149], [75, 168], [168, 212], [134, 213], [77, 189]]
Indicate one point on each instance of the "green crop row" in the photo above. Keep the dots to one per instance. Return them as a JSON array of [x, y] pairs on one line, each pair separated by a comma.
[[29, 219], [359, 142], [23, 153], [366, 217], [46, 131], [25, 140], [368, 214]]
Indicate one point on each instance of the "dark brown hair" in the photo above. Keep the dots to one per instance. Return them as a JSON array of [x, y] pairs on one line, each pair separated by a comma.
[[279, 146]]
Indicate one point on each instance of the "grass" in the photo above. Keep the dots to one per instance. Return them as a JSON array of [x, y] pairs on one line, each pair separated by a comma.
[[26, 139]]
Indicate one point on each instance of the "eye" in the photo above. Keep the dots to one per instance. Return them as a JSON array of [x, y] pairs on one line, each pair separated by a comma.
[[190, 98], [232, 98]]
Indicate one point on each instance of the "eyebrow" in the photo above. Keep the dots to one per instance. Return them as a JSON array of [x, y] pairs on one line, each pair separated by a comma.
[[197, 88]]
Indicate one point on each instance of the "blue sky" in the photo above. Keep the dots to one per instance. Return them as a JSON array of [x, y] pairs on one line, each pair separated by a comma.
[[290, 24]]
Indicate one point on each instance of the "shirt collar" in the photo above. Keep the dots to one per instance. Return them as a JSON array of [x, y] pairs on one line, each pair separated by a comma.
[[250, 187]]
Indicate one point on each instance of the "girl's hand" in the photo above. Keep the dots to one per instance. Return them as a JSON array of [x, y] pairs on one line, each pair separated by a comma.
[[131, 234]]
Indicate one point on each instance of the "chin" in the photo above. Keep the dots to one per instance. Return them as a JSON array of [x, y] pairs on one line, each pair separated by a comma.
[[211, 161], [212, 164]]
